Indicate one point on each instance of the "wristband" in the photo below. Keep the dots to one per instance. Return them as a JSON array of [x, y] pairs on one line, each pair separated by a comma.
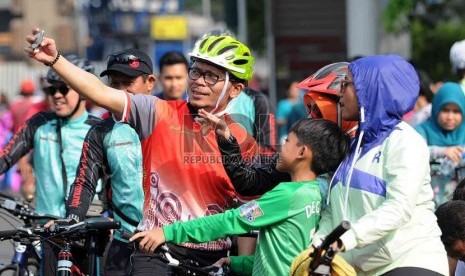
[[73, 217], [54, 61]]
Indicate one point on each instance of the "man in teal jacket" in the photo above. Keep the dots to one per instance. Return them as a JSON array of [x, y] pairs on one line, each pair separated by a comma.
[[114, 149], [57, 140]]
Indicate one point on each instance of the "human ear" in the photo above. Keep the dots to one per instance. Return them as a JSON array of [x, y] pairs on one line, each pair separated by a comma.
[[150, 82], [306, 152], [236, 88], [303, 152]]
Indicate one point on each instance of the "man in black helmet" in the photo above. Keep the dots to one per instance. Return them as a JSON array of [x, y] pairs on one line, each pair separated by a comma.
[[57, 140]]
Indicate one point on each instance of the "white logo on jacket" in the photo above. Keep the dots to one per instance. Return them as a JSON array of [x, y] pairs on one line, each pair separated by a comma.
[[313, 208]]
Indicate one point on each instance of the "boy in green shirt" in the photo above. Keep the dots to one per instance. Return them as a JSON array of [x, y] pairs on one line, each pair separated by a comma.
[[286, 216]]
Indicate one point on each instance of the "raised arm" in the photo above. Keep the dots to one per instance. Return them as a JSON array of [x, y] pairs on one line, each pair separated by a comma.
[[86, 84]]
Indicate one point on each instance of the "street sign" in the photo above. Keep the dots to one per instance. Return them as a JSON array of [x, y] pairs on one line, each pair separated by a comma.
[[169, 27]]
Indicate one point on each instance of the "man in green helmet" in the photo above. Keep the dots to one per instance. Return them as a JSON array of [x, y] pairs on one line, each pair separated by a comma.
[[183, 173]]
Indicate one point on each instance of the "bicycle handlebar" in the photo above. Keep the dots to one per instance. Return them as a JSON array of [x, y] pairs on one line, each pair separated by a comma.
[[18, 209], [127, 235], [22, 232], [335, 234], [164, 254], [325, 246], [88, 225], [101, 223], [8, 233]]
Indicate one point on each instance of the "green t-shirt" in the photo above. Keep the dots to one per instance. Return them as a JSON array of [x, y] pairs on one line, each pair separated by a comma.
[[286, 218]]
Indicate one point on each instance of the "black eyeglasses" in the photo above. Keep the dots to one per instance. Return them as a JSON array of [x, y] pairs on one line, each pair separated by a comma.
[[208, 77], [123, 59], [51, 90]]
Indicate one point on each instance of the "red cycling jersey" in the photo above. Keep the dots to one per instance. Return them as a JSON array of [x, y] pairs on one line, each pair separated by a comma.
[[184, 176]]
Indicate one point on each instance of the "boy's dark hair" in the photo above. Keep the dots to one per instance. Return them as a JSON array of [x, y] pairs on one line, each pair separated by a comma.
[[459, 192], [451, 220], [172, 57], [327, 141]]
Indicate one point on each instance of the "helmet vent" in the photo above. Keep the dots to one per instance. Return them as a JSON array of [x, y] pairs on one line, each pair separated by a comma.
[[240, 61], [227, 48], [214, 43], [202, 43]]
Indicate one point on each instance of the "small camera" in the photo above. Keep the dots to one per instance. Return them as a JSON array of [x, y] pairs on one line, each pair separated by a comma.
[[38, 39]]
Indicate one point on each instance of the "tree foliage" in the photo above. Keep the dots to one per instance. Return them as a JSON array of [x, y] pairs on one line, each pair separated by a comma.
[[434, 26]]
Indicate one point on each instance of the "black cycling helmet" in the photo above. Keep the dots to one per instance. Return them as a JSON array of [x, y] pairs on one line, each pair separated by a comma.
[[82, 63]]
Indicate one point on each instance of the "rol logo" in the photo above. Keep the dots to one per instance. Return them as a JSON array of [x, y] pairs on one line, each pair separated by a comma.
[[154, 190], [169, 209]]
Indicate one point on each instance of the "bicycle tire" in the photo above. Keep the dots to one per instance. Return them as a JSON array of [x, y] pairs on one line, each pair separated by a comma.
[[33, 266], [10, 267]]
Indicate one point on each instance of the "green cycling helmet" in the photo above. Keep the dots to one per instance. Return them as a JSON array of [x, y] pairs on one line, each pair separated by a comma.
[[226, 52]]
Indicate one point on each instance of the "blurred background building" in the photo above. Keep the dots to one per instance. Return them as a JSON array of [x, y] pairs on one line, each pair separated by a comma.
[[290, 38]]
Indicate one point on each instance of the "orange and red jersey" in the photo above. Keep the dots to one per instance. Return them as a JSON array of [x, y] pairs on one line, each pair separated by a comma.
[[184, 176]]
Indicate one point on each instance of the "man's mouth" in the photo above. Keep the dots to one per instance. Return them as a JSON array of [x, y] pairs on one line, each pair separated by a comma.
[[199, 93], [58, 104]]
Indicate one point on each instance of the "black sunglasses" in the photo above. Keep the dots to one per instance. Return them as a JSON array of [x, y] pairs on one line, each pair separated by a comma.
[[123, 59], [51, 90]]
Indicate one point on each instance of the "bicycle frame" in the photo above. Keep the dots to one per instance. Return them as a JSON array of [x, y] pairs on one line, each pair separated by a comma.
[[91, 229], [24, 251], [20, 261], [65, 266]]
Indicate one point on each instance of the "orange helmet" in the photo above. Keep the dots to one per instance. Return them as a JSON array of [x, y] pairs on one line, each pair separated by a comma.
[[327, 79], [319, 105], [322, 100]]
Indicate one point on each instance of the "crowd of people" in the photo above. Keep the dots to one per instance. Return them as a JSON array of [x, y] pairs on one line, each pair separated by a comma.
[[199, 164]]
